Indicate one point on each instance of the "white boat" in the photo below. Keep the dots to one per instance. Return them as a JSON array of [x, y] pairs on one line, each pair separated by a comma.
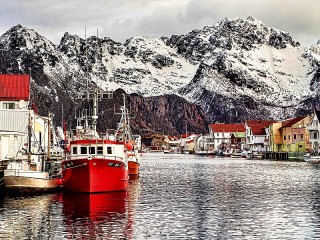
[[236, 154], [311, 159], [257, 155], [37, 168]]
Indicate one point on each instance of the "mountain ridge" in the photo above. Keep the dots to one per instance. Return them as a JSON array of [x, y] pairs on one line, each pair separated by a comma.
[[233, 70]]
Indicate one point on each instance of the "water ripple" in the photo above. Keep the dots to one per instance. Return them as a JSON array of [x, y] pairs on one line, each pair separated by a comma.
[[180, 197]]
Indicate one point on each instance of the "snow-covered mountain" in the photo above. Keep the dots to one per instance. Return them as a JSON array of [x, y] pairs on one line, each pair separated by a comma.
[[244, 61], [234, 69]]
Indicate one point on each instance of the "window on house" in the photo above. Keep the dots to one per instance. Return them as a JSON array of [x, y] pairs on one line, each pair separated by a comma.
[[289, 137], [8, 105], [109, 150], [294, 136], [315, 135], [301, 136], [83, 150], [217, 134], [284, 137], [74, 150]]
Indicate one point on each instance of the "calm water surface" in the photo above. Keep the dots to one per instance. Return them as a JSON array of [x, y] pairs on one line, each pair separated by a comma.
[[180, 197]]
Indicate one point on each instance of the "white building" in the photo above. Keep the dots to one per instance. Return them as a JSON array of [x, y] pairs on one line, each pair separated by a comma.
[[314, 131], [258, 135], [15, 116], [221, 133]]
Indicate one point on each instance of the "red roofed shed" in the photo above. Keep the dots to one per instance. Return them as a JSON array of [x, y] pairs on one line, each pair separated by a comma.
[[14, 87]]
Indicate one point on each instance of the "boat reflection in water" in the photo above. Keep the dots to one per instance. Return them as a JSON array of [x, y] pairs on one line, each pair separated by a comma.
[[100, 215]]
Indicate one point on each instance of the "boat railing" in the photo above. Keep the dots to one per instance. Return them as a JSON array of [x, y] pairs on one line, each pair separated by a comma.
[[89, 157], [26, 173]]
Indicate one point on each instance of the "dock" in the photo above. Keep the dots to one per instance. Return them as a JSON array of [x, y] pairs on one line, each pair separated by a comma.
[[285, 156]]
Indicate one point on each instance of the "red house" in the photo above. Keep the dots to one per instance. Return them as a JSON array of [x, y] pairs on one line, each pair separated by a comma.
[[13, 89]]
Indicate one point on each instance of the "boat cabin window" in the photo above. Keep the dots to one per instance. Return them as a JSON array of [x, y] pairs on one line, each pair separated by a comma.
[[83, 150], [109, 150], [92, 150], [74, 150], [100, 150]]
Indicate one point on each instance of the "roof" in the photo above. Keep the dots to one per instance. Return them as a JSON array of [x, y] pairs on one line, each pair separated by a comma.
[[292, 121], [222, 127], [239, 135], [258, 130], [14, 87], [260, 123], [185, 135], [172, 138]]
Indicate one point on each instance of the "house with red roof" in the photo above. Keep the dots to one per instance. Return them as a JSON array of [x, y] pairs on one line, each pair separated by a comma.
[[188, 142], [14, 101], [13, 90], [258, 135], [222, 133]]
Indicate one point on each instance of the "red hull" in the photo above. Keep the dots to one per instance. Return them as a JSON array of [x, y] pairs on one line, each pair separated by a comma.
[[133, 167], [95, 175]]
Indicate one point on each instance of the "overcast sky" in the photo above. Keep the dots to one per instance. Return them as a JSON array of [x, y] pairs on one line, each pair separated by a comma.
[[122, 19]]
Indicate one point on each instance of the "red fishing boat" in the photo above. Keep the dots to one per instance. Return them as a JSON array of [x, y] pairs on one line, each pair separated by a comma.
[[95, 163]]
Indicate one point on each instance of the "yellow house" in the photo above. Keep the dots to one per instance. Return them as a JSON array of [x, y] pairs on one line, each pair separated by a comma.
[[292, 136], [275, 136]]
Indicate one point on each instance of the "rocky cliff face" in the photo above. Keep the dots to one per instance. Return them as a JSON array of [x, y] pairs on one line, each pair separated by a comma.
[[168, 114], [228, 72]]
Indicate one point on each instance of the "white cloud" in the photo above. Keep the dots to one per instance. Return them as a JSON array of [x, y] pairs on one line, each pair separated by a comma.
[[123, 19]]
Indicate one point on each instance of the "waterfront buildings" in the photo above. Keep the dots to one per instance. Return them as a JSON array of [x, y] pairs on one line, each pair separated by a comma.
[[222, 134]]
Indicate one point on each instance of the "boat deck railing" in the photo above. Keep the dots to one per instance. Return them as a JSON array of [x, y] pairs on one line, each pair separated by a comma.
[[90, 157]]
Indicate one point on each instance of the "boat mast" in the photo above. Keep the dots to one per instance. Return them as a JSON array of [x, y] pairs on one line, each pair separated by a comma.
[[123, 125], [29, 135], [49, 136], [29, 120], [95, 96]]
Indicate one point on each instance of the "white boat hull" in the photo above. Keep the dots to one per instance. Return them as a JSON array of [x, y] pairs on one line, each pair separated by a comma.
[[312, 159], [29, 184]]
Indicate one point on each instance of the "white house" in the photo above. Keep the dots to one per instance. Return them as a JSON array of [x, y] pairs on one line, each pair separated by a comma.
[[221, 133], [258, 135], [314, 131]]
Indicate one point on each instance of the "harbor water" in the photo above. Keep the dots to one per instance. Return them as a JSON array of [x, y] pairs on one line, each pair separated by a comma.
[[180, 197]]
